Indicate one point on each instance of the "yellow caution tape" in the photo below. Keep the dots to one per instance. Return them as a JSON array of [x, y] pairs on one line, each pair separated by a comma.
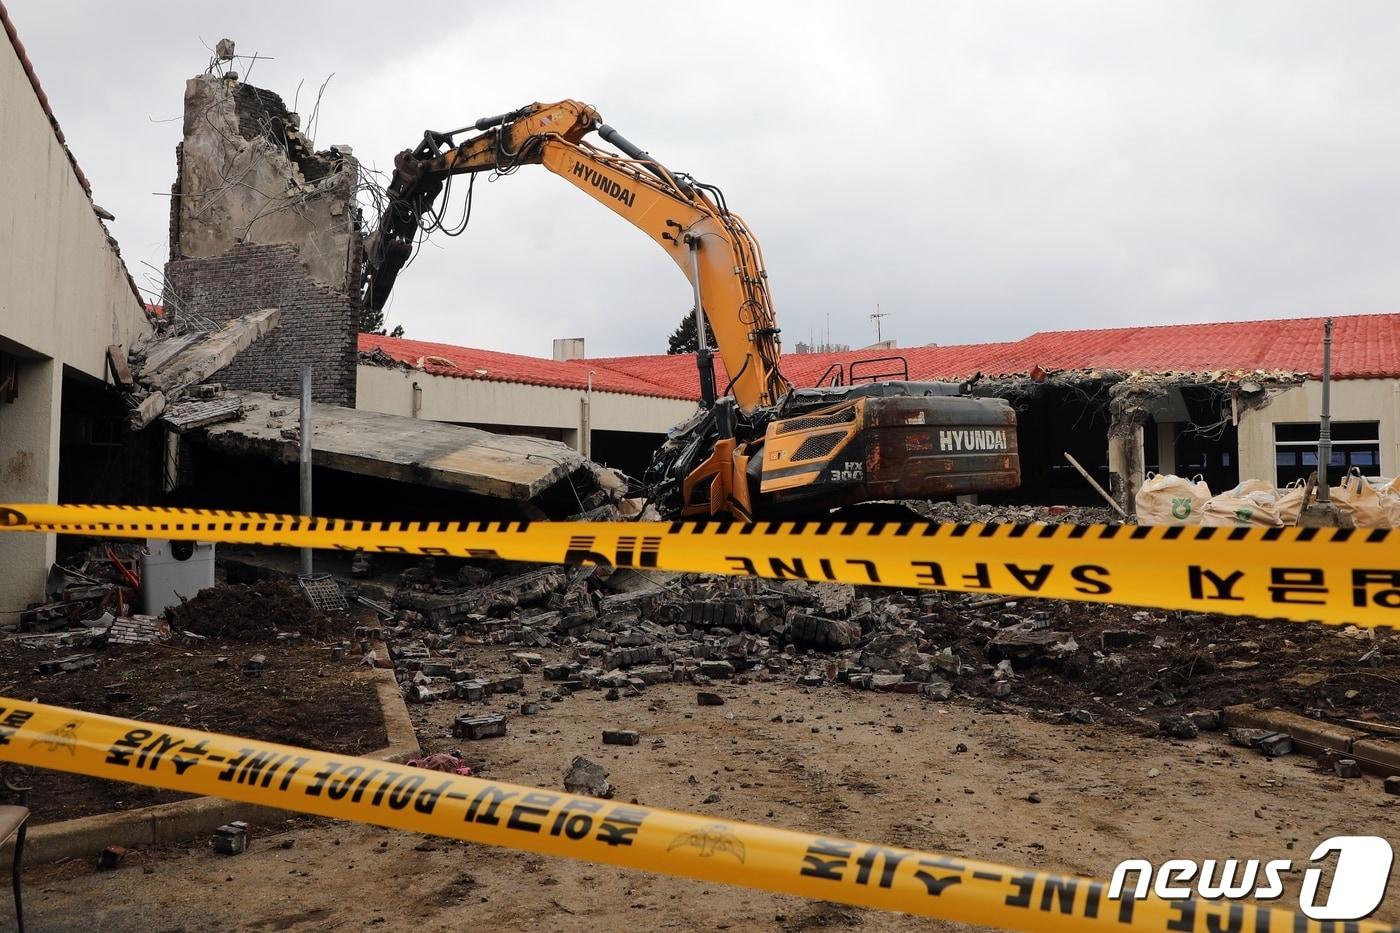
[[626, 834], [1304, 574]]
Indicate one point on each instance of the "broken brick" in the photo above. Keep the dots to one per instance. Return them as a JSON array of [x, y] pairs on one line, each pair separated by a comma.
[[479, 727]]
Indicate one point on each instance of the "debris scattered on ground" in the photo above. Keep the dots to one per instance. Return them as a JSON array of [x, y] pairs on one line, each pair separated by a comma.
[[112, 857], [1015, 514], [100, 583], [231, 838], [558, 630], [446, 762], [1180, 727], [588, 778], [479, 727], [137, 630]]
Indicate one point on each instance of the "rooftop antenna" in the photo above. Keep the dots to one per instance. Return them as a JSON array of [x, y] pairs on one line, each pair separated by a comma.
[[879, 337]]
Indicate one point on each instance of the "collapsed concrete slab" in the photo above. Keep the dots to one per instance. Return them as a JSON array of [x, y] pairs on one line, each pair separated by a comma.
[[179, 362], [430, 453], [164, 369]]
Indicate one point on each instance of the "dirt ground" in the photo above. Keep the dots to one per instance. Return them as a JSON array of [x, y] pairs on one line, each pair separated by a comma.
[[1166, 663], [875, 766], [301, 697]]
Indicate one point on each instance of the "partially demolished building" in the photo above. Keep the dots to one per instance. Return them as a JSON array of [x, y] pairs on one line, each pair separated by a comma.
[[106, 398], [260, 219], [103, 398], [1229, 401]]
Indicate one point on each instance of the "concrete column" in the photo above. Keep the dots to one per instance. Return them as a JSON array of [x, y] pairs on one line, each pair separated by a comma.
[[1390, 455], [170, 479], [1166, 447], [29, 473], [585, 426], [1125, 458]]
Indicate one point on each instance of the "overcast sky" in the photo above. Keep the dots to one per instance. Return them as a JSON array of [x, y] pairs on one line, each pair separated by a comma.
[[979, 170]]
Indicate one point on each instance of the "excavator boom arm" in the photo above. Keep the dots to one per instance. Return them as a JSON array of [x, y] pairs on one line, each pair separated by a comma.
[[711, 245]]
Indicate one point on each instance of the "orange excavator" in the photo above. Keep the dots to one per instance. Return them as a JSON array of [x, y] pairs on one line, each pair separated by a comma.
[[762, 447]]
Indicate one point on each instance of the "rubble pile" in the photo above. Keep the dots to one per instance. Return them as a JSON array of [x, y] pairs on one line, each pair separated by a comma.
[[1015, 514], [92, 598], [565, 629], [91, 602], [99, 583], [621, 631], [261, 612]]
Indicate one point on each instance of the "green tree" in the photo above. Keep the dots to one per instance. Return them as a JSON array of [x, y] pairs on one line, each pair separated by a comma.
[[683, 340], [371, 321]]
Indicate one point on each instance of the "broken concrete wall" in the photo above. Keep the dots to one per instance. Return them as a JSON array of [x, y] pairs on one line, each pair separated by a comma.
[[247, 174], [317, 322], [259, 219]]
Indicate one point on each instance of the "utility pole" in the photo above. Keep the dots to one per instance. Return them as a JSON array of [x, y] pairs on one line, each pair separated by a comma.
[[1323, 513], [879, 337], [1324, 427], [306, 459], [585, 421]]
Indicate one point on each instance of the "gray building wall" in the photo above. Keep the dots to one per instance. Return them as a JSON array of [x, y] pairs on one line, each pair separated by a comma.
[[1352, 400], [64, 297]]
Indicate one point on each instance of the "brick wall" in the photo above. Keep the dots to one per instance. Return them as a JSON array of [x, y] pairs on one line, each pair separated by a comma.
[[318, 323], [261, 112], [175, 203]]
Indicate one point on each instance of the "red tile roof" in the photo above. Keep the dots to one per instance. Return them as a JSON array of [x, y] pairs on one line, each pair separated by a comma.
[[1363, 347], [443, 359]]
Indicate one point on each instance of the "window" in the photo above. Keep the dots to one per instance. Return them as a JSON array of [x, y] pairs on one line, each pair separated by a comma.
[[1354, 444]]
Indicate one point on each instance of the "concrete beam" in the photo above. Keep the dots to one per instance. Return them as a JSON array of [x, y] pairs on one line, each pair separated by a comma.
[[197, 361], [148, 410], [393, 447]]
